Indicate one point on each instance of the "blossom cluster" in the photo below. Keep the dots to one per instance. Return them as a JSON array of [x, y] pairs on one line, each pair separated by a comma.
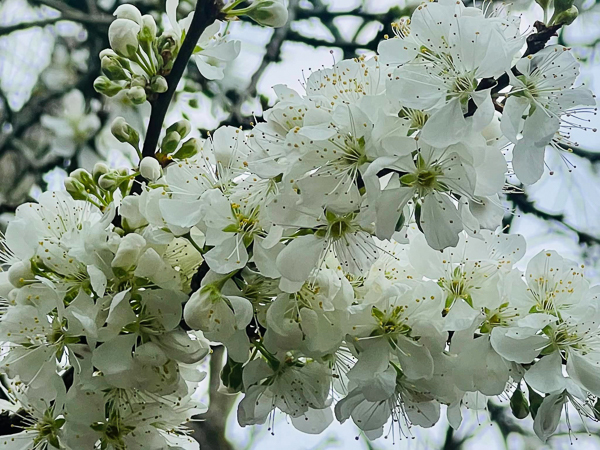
[[347, 251]]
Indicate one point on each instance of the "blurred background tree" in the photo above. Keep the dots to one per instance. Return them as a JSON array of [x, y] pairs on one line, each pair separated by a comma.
[[52, 121]]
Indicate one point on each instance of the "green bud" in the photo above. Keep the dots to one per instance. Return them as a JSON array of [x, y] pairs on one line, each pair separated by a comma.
[[123, 37], [82, 176], [189, 148], [112, 69], [168, 47], [106, 87], [159, 84], [148, 32], [138, 80], [75, 188], [566, 17], [124, 132], [181, 127], [269, 13], [137, 95], [108, 181], [170, 142], [562, 5], [99, 170]]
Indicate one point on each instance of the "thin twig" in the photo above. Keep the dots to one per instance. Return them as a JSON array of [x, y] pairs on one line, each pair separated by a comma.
[[25, 25], [75, 15], [527, 206]]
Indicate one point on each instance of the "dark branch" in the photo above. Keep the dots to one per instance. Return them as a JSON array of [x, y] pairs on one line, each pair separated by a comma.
[[206, 13], [527, 206]]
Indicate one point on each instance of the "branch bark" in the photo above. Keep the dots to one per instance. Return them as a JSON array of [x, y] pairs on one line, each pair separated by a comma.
[[207, 11], [210, 432]]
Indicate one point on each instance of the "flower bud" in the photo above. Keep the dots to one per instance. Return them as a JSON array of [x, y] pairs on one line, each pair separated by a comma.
[[82, 176], [108, 52], [269, 13], [123, 37], [150, 168], [170, 142], [128, 12], [99, 169], [138, 80], [19, 273], [137, 95], [75, 189], [189, 148], [159, 84], [108, 182], [106, 87], [112, 69], [124, 132], [562, 5], [168, 46], [129, 251], [566, 17], [148, 32], [181, 127]]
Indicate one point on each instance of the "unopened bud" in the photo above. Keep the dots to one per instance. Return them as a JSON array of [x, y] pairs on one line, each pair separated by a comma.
[[159, 84], [108, 182], [148, 32], [106, 87], [112, 69], [566, 17], [123, 37], [75, 188], [137, 95], [129, 12], [189, 148], [99, 169], [170, 142], [150, 168], [124, 132], [562, 5], [269, 13], [108, 52], [181, 127], [82, 176], [138, 80]]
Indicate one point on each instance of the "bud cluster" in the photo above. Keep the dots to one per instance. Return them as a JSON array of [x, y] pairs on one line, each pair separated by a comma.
[[173, 145], [138, 60], [98, 187]]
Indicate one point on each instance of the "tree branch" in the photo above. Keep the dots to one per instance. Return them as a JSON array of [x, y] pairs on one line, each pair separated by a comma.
[[75, 15], [24, 25], [210, 432], [207, 11], [522, 201]]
